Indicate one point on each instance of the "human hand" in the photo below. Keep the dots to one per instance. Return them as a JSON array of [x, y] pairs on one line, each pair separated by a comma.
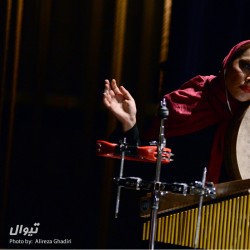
[[120, 103]]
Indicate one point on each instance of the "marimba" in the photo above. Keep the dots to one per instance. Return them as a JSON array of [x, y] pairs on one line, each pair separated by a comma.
[[225, 220]]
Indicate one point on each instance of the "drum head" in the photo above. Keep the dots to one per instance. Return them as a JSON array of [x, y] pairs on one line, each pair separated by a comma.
[[238, 146]]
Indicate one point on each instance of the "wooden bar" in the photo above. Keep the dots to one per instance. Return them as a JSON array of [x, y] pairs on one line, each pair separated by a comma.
[[224, 225]]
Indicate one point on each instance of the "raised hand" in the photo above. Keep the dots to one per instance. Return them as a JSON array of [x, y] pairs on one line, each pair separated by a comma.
[[120, 103]]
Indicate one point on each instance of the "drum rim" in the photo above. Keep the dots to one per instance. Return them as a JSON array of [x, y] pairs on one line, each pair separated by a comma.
[[230, 156]]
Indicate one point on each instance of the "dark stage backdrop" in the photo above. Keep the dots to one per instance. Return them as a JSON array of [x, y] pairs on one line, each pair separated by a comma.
[[55, 55]]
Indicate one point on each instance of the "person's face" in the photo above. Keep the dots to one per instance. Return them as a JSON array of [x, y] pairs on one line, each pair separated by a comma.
[[237, 77]]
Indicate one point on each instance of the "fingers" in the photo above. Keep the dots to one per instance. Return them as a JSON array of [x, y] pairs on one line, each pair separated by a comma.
[[111, 90], [106, 101], [115, 88], [108, 92], [107, 86], [125, 93]]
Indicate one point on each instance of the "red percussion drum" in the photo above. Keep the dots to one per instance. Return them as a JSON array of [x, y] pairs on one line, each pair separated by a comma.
[[132, 153], [238, 146]]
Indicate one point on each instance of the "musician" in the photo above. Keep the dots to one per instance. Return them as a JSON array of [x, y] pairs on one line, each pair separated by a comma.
[[199, 114]]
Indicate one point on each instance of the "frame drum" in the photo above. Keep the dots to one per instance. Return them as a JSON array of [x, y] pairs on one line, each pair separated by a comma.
[[237, 156]]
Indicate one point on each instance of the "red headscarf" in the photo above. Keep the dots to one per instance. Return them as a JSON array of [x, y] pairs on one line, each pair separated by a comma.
[[202, 102]]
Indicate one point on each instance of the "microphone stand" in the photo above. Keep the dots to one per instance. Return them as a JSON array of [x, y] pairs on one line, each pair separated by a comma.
[[163, 113]]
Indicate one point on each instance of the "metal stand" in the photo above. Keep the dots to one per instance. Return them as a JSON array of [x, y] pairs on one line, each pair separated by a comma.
[[157, 187], [122, 150], [196, 238], [163, 113]]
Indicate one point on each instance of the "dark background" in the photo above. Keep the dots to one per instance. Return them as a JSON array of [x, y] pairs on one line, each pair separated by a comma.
[[53, 65]]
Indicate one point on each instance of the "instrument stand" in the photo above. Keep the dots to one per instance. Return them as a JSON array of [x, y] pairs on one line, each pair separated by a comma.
[[122, 150], [163, 114], [196, 237], [157, 187]]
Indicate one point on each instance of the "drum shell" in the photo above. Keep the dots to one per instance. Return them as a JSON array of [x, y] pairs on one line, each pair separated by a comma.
[[237, 145]]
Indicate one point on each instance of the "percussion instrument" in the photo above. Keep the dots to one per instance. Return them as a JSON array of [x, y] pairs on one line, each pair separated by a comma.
[[237, 149], [178, 188], [132, 153], [225, 221], [221, 221]]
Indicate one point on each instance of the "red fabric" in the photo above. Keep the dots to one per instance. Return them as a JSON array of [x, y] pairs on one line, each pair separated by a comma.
[[199, 103]]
